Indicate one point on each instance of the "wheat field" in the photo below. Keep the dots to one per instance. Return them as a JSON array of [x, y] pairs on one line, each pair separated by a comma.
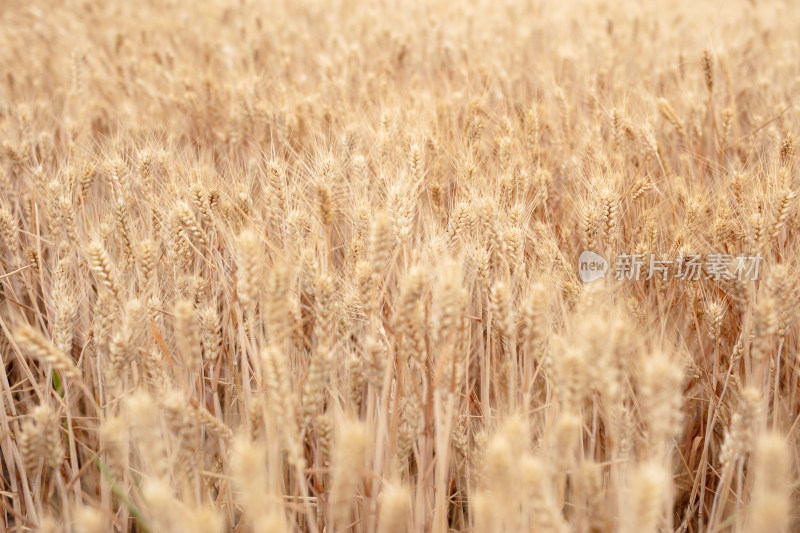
[[319, 266]]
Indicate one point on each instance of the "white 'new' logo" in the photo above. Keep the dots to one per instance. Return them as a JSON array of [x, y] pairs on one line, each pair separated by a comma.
[[591, 266]]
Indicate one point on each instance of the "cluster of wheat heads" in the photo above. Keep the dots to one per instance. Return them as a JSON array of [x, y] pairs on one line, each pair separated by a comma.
[[313, 266]]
